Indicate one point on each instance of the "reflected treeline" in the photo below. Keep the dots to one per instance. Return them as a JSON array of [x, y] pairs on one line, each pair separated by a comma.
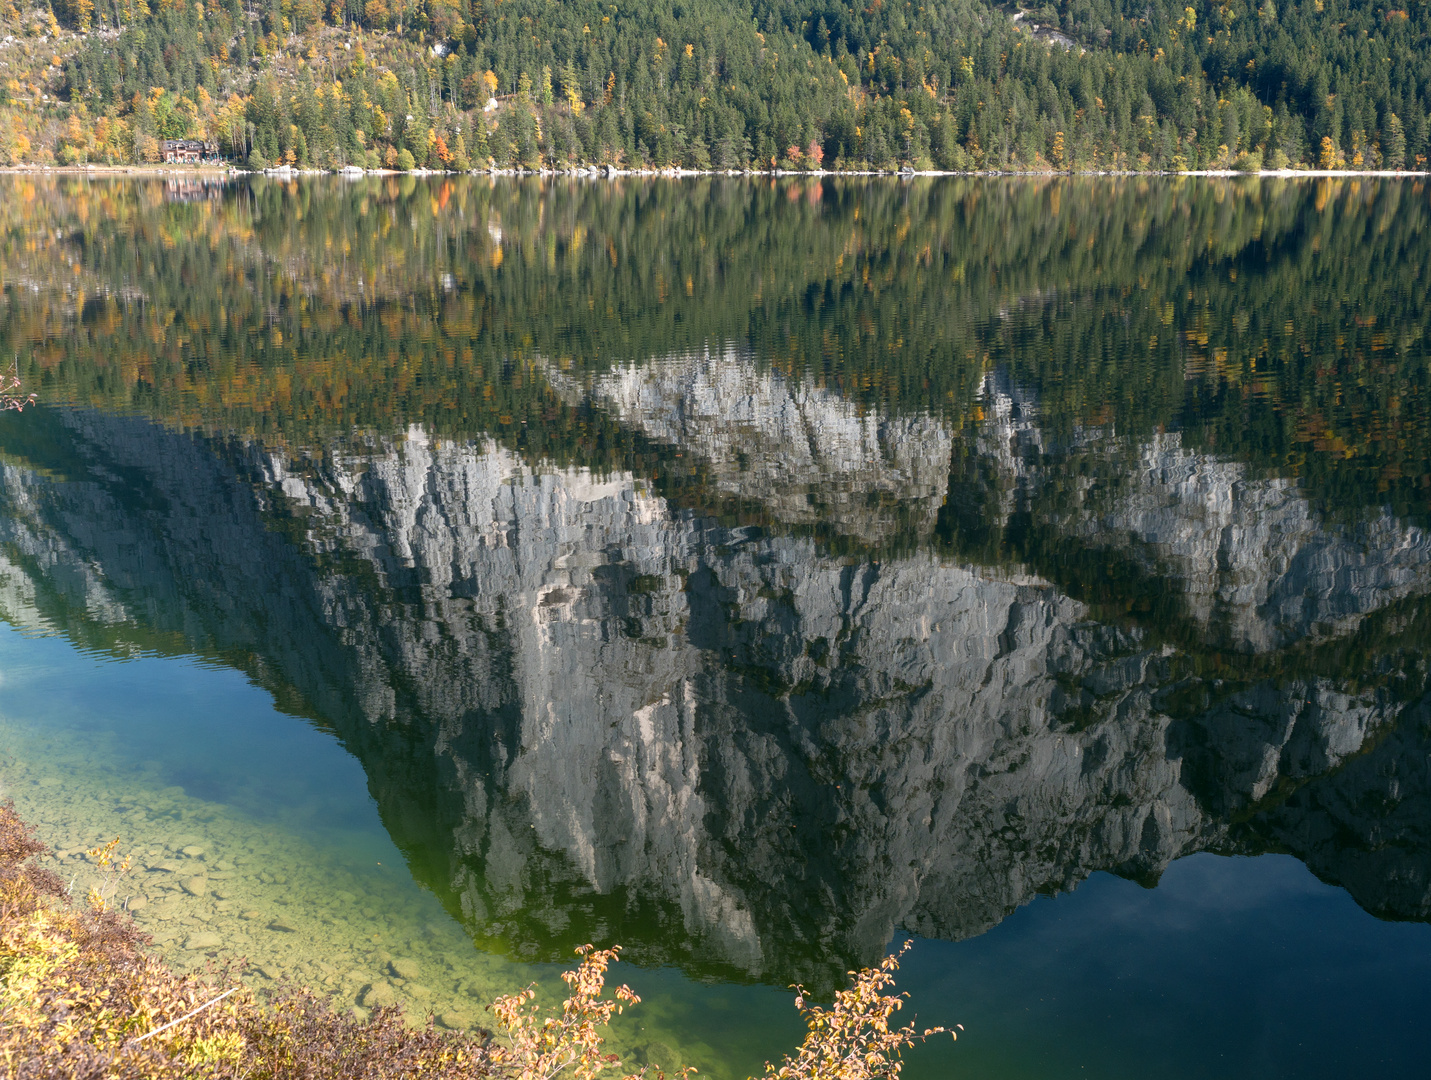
[[938, 546], [1277, 320]]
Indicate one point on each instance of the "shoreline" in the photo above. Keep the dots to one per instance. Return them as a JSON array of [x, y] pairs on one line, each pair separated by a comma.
[[102, 980], [598, 172], [92, 986]]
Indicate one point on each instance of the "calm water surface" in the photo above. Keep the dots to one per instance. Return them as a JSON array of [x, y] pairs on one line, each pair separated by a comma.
[[426, 577]]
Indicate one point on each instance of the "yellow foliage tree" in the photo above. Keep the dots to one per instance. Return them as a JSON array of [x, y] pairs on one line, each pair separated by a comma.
[[853, 1038], [539, 1047]]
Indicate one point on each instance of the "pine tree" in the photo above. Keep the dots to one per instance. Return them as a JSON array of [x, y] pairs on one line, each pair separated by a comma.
[[481, 151], [716, 91], [1393, 143], [1419, 144]]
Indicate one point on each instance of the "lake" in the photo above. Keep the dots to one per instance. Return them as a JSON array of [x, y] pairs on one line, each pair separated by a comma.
[[423, 577]]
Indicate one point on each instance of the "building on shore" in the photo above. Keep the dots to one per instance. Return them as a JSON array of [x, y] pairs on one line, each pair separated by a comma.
[[188, 151]]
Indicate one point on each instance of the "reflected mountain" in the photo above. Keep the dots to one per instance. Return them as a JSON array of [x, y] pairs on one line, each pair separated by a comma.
[[1248, 559], [591, 711], [805, 455]]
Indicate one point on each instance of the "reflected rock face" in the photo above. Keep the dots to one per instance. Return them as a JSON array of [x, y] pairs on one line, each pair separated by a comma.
[[805, 454], [1257, 567], [588, 714]]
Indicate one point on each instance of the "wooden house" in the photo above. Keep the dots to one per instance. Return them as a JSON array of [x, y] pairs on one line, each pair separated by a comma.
[[188, 151]]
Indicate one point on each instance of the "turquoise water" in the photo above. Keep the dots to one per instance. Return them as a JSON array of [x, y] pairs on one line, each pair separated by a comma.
[[1038, 570], [1282, 974], [167, 753]]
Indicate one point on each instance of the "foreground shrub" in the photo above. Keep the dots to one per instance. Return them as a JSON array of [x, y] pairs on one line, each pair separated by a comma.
[[80, 997], [852, 1040], [11, 396]]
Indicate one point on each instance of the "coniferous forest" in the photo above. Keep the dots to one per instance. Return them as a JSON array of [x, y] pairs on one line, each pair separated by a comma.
[[722, 84]]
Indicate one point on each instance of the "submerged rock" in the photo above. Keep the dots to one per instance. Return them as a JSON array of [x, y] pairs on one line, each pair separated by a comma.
[[377, 994]]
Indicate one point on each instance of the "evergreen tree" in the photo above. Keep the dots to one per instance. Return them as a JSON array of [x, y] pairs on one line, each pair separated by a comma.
[[954, 83]]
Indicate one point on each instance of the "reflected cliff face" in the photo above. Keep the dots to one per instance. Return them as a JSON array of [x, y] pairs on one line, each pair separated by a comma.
[[587, 713], [786, 670]]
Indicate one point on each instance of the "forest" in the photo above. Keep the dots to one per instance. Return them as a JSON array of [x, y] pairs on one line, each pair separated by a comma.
[[814, 85]]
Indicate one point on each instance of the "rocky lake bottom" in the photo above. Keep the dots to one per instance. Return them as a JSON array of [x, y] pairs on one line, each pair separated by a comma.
[[337, 912], [208, 887]]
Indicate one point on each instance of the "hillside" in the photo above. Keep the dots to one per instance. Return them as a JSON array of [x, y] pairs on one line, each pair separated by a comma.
[[956, 84]]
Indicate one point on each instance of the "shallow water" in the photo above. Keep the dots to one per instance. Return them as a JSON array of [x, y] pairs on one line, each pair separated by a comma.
[[423, 579], [279, 857]]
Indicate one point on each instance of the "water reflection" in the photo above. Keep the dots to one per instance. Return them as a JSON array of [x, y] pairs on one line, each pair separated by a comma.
[[586, 713], [741, 661]]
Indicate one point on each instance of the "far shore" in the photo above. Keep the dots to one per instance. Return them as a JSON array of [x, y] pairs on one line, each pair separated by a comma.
[[607, 171]]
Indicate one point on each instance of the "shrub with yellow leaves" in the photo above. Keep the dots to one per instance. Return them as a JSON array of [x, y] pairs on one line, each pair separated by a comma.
[[540, 1047], [852, 1039], [80, 996]]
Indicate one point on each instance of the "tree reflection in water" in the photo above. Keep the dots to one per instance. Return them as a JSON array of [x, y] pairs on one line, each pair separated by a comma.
[[742, 578]]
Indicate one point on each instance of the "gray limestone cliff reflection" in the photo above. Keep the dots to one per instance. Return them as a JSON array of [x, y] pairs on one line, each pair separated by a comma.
[[588, 713]]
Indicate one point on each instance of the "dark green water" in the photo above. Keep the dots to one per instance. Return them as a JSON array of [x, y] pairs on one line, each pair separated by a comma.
[[426, 577]]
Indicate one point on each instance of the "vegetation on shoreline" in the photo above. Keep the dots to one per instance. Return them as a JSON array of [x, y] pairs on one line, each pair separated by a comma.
[[80, 996], [12, 396], [799, 84]]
